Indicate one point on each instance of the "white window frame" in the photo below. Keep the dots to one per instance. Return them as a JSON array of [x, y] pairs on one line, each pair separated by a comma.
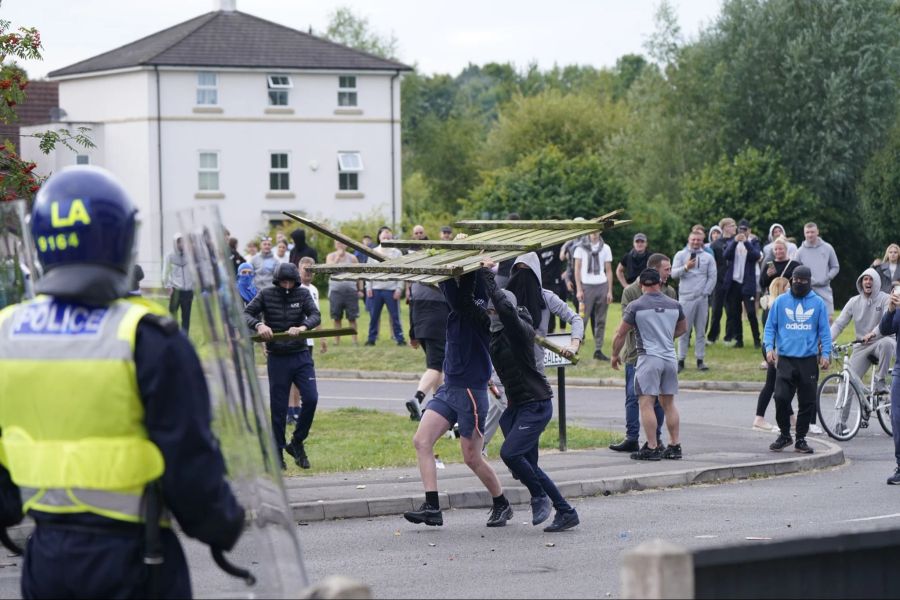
[[207, 94], [279, 83], [350, 165], [286, 170], [348, 92], [82, 159], [202, 170]]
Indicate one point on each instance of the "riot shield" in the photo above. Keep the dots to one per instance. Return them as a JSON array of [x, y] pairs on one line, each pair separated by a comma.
[[269, 547], [17, 264]]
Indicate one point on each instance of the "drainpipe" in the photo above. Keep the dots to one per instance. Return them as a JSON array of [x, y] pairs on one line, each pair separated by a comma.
[[393, 158], [162, 251]]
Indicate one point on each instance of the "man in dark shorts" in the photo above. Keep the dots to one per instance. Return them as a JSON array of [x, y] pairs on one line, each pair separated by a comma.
[[461, 399], [657, 321], [343, 296], [428, 313]]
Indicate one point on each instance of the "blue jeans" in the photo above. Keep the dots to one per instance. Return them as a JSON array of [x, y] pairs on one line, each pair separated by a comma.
[[522, 427], [379, 299], [285, 369], [632, 409], [895, 414]]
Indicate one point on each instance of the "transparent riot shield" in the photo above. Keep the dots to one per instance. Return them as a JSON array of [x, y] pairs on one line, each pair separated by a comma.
[[17, 264], [269, 547]]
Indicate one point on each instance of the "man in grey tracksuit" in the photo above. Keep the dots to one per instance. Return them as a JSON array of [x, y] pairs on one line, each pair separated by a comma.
[[179, 282], [696, 270], [866, 310], [552, 304], [819, 256]]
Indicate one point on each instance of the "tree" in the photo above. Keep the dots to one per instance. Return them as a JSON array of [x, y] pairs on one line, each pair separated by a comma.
[[17, 177], [880, 193], [574, 124], [753, 185], [346, 28]]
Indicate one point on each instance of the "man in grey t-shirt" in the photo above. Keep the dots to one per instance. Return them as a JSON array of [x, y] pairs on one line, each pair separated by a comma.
[[657, 321]]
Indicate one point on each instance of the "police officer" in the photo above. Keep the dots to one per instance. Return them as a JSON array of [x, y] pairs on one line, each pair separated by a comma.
[[104, 412], [286, 307]]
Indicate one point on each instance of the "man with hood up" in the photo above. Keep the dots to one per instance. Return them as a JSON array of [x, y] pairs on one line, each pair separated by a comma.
[[866, 309], [180, 283], [819, 256], [287, 307], [526, 284], [300, 248], [529, 393], [795, 330], [776, 231], [245, 286]]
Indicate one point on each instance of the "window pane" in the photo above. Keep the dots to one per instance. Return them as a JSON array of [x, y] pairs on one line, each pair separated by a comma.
[[346, 98], [205, 96], [206, 79], [350, 161], [278, 98], [209, 181], [347, 81], [279, 161], [348, 181], [284, 180], [209, 160]]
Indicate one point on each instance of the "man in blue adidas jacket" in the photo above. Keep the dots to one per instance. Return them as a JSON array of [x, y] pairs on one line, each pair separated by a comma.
[[796, 330]]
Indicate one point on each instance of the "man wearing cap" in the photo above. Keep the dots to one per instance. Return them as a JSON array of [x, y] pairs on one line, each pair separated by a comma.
[[741, 255], [633, 262], [446, 233], [795, 330], [657, 321], [697, 271]]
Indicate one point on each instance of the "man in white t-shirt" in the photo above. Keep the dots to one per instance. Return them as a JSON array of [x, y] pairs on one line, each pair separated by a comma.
[[593, 286]]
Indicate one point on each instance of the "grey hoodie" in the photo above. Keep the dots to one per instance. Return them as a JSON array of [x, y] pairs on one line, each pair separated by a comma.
[[699, 281], [176, 272], [866, 312], [823, 263], [555, 306], [769, 254]]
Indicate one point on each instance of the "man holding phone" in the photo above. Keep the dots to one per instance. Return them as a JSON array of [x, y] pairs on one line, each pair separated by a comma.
[[696, 271]]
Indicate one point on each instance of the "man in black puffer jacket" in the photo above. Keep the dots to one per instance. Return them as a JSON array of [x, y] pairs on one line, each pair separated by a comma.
[[287, 308], [529, 394]]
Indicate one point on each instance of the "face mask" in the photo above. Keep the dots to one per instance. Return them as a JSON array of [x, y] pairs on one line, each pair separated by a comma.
[[800, 289]]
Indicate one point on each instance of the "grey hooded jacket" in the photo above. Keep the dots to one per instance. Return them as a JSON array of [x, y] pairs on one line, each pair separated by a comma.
[[823, 263], [177, 272], [866, 312], [698, 282], [555, 305]]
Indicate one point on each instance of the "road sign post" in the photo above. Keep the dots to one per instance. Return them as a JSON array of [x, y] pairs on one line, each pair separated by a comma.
[[554, 360]]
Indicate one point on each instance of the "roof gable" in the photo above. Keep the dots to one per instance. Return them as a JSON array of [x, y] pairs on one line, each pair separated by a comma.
[[232, 39]]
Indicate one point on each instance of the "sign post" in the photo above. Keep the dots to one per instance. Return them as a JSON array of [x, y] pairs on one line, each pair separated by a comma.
[[552, 359]]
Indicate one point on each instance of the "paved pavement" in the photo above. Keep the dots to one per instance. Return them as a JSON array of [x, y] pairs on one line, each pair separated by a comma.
[[712, 453]]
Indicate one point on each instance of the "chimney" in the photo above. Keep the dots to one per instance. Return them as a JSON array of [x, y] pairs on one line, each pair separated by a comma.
[[225, 5]]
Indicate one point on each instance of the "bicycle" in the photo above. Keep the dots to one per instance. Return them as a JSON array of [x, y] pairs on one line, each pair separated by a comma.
[[844, 404]]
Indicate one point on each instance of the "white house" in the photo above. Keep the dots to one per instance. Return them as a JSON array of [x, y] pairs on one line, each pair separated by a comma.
[[231, 109]]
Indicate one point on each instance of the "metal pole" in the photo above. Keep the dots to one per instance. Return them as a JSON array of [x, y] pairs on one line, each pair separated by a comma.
[[561, 386]]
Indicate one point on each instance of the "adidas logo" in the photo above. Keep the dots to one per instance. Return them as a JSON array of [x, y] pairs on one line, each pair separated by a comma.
[[799, 318]]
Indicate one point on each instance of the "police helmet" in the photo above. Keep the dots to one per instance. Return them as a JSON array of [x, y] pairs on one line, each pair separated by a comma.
[[82, 215]]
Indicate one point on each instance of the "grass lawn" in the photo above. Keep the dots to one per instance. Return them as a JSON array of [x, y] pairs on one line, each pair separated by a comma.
[[352, 439], [726, 364]]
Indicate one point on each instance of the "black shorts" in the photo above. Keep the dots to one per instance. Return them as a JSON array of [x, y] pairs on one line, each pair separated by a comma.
[[434, 354]]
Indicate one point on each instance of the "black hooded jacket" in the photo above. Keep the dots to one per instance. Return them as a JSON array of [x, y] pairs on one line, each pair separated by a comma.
[[282, 309], [300, 248], [512, 348]]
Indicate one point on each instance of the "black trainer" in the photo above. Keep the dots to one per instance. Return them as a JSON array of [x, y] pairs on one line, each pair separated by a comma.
[[626, 445], [802, 447], [781, 443], [598, 355], [563, 521], [680, 365], [672, 452], [701, 366], [499, 515], [895, 478], [432, 517], [648, 453], [296, 450]]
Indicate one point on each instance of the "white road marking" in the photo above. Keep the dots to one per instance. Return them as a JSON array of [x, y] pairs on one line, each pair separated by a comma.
[[893, 516]]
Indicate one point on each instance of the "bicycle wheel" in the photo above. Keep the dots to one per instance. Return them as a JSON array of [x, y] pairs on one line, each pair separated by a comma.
[[839, 407], [883, 408]]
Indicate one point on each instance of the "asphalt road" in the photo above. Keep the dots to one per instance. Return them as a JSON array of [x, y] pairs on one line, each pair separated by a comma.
[[465, 559]]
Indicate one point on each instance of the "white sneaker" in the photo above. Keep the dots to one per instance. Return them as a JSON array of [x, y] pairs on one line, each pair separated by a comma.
[[815, 429]]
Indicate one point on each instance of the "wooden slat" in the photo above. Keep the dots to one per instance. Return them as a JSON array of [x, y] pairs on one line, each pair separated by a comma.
[[464, 244], [336, 236]]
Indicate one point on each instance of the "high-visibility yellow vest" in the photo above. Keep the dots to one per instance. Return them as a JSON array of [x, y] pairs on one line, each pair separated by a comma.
[[71, 416]]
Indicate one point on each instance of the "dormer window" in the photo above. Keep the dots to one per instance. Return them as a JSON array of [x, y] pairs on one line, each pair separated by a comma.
[[279, 85], [347, 90]]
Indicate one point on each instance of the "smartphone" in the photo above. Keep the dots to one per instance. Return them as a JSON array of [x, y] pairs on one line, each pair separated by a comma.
[[693, 256], [771, 264], [896, 289]]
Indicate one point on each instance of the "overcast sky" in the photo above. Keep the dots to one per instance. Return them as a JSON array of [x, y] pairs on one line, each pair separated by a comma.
[[431, 34]]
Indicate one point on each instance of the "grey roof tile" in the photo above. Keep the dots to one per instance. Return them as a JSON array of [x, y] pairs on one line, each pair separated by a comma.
[[235, 40]]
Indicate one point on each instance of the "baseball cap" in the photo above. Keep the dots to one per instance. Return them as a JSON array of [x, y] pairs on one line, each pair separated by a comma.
[[744, 224], [446, 229], [640, 237], [650, 277]]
